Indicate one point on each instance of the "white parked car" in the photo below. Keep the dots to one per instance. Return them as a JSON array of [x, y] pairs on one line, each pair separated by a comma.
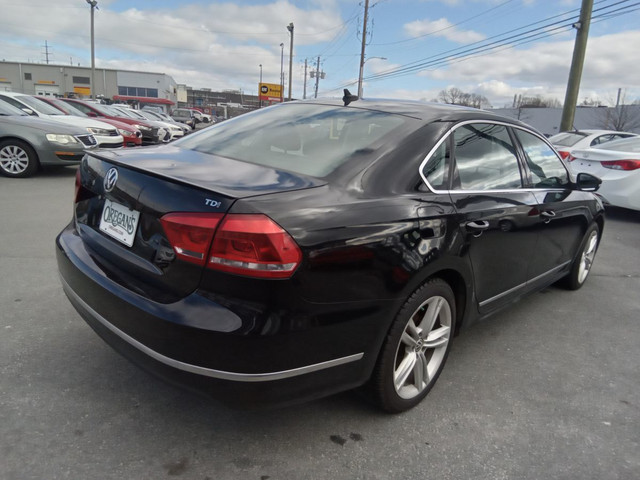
[[617, 163], [565, 142], [164, 129], [106, 135]]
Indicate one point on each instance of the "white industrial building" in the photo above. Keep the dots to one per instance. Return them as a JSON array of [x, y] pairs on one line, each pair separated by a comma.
[[75, 81]]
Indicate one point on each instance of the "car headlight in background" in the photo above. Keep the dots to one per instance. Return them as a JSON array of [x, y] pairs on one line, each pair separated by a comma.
[[61, 138], [126, 133], [99, 131], [144, 128]]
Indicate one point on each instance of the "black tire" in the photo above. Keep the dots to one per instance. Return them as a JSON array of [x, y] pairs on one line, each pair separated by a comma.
[[17, 159], [584, 259], [409, 364]]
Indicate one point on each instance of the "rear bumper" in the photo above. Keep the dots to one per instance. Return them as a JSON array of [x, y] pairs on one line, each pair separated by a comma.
[[199, 344]]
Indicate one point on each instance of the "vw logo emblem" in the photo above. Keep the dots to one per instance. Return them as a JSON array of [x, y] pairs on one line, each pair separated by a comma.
[[110, 179]]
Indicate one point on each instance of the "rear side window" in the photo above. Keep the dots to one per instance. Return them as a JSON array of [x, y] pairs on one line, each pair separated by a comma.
[[546, 168], [485, 158], [437, 168]]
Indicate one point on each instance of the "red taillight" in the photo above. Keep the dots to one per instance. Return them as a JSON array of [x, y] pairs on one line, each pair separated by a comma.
[[622, 164], [565, 155], [190, 234], [254, 245]]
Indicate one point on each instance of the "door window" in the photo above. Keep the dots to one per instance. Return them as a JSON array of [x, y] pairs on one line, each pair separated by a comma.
[[546, 168], [485, 158]]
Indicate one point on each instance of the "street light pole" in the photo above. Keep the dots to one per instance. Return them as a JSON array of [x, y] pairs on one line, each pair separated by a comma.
[[260, 85], [94, 5], [290, 28], [281, 72], [363, 63]]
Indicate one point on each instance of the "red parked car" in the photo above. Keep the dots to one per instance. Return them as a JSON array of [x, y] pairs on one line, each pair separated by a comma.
[[151, 134], [132, 136]]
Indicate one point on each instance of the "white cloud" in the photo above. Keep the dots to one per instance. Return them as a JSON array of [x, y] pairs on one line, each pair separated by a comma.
[[544, 67], [441, 28]]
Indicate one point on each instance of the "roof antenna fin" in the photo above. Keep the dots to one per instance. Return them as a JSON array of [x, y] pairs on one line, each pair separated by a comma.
[[348, 98]]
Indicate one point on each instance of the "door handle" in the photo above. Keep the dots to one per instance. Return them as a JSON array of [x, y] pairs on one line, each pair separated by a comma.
[[547, 215], [477, 227], [481, 225]]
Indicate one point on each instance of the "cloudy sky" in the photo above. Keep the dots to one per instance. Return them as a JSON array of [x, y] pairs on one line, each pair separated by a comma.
[[496, 48]]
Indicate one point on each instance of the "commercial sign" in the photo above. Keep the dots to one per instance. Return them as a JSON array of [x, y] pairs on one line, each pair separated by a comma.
[[82, 90], [271, 92], [46, 82]]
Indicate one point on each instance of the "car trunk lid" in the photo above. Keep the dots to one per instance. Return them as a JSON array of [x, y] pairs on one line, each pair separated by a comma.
[[123, 220]]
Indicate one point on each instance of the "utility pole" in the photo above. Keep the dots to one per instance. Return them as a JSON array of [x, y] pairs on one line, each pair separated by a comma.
[[46, 52], [577, 62], [317, 73], [364, 44], [282, 72], [94, 5], [304, 91], [290, 28]]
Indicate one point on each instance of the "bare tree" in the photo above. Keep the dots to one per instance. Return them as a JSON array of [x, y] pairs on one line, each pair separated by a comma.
[[621, 118], [537, 101], [455, 96]]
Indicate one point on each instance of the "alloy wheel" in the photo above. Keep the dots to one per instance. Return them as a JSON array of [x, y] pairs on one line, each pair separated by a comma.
[[422, 347], [587, 257], [13, 159]]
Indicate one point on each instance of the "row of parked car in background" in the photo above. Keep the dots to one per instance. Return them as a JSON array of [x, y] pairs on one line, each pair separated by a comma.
[[38, 131]]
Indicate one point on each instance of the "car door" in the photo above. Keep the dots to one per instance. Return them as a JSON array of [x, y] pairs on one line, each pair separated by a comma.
[[494, 210], [563, 211]]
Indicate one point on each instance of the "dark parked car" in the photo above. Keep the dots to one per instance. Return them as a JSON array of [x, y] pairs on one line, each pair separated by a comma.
[[27, 143], [312, 247]]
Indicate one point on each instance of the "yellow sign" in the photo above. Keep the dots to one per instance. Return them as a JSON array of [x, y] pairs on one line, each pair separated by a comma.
[[46, 82], [82, 90], [271, 92]]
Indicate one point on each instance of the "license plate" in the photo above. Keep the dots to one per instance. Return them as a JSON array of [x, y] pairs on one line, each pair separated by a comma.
[[119, 222]]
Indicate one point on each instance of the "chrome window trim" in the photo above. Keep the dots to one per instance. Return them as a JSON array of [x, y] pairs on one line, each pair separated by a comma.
[[495, 122], [207, 372]]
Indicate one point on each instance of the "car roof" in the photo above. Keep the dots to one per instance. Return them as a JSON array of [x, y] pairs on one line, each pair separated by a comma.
[[425, 111]]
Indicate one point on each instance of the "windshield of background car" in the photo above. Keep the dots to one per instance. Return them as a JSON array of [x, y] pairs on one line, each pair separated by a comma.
[[70, 109], [39, 105], [10, 110], [567, 139], [308, 139]]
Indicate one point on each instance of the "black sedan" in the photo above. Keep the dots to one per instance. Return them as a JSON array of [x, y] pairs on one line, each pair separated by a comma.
[[315, 247]]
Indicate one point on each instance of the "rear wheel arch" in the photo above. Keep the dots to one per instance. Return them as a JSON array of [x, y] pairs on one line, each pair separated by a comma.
[[457, 284]]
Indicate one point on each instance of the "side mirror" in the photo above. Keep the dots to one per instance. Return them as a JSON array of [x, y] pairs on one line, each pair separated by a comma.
[[588, 182], [92, 114], [28, 111]]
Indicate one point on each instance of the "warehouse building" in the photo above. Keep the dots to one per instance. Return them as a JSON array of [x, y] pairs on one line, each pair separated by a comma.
[[145, 88]]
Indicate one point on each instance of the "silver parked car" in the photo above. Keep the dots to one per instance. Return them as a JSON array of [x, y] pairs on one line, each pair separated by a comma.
[[27, 143]]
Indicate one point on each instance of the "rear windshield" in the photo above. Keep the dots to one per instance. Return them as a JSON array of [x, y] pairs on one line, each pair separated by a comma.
[[567, 139], [624, 145], [308, 139], [39, 105]]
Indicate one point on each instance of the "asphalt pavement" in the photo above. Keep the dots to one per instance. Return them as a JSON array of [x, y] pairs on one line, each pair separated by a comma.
[[548, 389]]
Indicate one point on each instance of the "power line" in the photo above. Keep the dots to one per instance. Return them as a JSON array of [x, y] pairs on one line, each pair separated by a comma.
[[483, 46], [464, 53], [466, 20]]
